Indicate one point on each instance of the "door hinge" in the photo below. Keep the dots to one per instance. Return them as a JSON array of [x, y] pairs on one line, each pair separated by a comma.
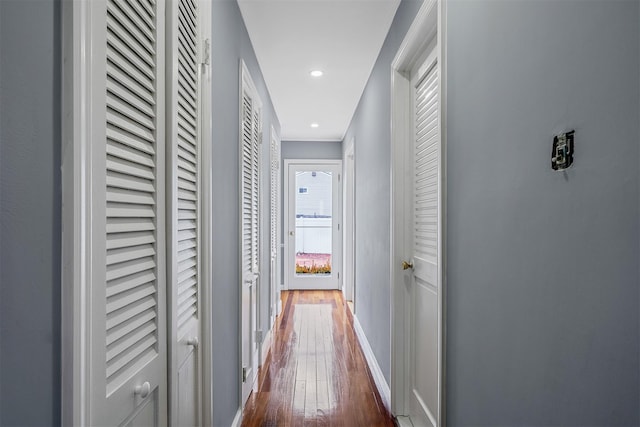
[[244, 374], [338, 276], [259, 336], [206, 54], [339, 177]]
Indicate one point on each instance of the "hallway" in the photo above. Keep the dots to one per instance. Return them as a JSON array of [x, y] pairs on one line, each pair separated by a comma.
[[315, 372]]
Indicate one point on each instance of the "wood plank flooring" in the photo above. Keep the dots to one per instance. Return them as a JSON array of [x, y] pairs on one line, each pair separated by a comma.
[[315, 373]]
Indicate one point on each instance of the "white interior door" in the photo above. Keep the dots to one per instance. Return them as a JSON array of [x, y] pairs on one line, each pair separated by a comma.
[[128, 357], [184, 51], [425, 234], [349, 266], [250, 141], [313, 227]]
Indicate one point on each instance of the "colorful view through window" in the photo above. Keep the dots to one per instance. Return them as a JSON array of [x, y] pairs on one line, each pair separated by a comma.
[[313, 223]]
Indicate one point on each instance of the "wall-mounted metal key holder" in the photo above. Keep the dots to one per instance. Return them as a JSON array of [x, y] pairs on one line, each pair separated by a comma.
[[562, 152]]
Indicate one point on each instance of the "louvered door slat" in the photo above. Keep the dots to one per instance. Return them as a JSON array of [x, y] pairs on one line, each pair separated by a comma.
[[129, 17], [120, 49], [149, 7], [426, 158], [117, 120], [123, 101], [134, 323], [121, 68], [130, 46], [143, 13], [122, 136]]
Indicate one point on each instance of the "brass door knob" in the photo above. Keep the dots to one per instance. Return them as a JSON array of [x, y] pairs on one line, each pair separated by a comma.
[[406, 265]]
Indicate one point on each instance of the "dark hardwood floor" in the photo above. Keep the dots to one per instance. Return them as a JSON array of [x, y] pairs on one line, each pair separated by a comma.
[[315, 373]]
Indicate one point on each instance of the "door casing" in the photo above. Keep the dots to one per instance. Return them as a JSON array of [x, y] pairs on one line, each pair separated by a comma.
[[427, 27]]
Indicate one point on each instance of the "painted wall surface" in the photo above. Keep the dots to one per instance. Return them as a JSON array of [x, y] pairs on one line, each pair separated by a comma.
[[30, 194], [542, 265], [331, 150], [371, 128], [230, 44]]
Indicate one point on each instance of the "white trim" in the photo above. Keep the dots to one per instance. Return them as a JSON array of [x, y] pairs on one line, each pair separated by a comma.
[[374, 367], [312, 140], [237, 420], [428, 24], [76, 196], [404, 421], [207, 224], [266, 346]]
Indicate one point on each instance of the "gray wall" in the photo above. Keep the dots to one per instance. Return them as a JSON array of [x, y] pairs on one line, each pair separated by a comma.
[[542, 265], [29, 213], [311, 150], [327, 150], [371, 127], [230, 44]]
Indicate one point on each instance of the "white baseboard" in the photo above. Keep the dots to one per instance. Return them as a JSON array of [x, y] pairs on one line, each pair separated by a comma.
[[266, 344], [237, 420], [404, 422], [374, 367]]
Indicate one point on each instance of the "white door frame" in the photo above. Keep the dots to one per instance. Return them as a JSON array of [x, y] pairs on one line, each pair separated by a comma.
[[335, 257], [348, 219], [428, 24]]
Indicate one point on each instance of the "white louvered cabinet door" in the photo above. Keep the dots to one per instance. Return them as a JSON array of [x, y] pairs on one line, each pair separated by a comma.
[[425, 234], [250, 138], [128, 307], [184, 139]]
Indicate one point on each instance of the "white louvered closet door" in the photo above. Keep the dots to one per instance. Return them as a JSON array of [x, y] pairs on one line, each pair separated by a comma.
[[274, 201], [425, 233], [184, 43], [250, 139], [127, 250]]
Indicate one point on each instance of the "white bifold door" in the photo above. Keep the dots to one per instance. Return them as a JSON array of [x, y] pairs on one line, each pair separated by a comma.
[[425, 246], [134, 243]]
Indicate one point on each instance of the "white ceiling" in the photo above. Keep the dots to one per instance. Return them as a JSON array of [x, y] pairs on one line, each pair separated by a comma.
[[340, 37]]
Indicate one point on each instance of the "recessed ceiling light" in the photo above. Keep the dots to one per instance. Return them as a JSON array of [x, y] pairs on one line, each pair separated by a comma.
[[314, 125], [316, 73]]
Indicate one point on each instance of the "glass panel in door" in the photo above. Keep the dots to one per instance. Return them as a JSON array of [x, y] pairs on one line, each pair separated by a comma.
[[313, 223]]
